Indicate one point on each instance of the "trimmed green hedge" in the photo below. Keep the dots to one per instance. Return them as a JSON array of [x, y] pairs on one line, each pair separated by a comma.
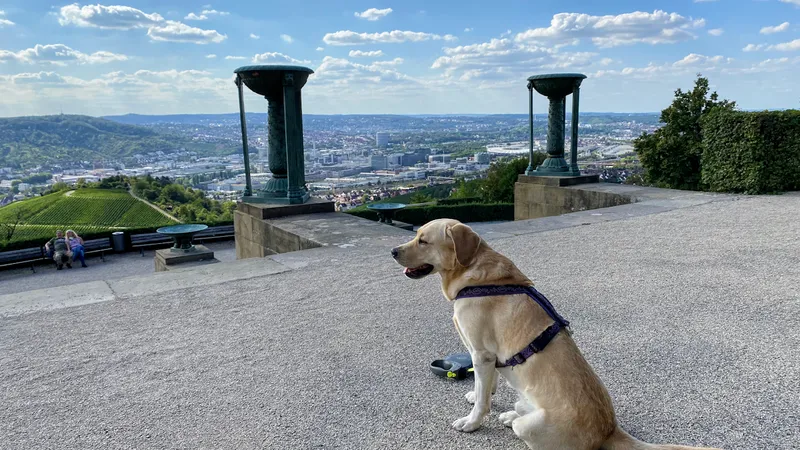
[[458, 201], [751, 152], [471, 212]]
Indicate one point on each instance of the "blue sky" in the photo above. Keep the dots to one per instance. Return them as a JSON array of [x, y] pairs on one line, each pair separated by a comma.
[[405, 57]]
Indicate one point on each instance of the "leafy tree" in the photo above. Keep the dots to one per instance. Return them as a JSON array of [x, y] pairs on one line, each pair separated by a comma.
[[420, 197], [671, 155], [60, 186], [499, 183]]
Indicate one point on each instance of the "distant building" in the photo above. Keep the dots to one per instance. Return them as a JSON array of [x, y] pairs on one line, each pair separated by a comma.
[[382, 139], [395, 159], [378, 162], [483, 158], [443, 158]]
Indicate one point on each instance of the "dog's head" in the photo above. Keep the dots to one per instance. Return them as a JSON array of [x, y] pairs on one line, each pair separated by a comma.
[[441, 245]]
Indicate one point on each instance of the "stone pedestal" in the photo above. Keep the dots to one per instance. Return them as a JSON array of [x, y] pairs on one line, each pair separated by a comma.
[[257, 237], [536, 196], [167, 259]]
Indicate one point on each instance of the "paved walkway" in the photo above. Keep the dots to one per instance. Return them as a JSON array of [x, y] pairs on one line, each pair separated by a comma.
[[164, 213], [690, 315], [116, 265]]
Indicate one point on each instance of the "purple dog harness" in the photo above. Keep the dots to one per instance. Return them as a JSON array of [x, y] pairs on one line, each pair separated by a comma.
[[543, 339]]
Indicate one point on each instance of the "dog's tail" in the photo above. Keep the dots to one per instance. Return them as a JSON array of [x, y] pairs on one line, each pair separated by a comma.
[[620, 440]]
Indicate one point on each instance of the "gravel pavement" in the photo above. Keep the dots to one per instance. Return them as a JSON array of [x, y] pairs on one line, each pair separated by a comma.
[[116, 265], [691, 318]]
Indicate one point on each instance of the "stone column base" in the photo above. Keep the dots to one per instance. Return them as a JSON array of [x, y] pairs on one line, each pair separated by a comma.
[[257, 236], [166, 260], [543, 196]]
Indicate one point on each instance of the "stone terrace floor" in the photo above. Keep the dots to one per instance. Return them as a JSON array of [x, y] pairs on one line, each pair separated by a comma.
[[689, 314]]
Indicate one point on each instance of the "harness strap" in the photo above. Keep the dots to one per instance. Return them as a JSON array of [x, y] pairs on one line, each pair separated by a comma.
[[541, 341]]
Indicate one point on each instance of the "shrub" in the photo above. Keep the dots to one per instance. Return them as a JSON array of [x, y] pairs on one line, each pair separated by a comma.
[[751, 152], [471, 212], [671, 155]]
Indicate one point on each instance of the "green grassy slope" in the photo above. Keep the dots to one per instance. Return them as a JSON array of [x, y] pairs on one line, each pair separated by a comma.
[[87, 211]]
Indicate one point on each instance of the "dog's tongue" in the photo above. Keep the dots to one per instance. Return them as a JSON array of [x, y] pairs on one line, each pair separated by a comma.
[[406, 270]]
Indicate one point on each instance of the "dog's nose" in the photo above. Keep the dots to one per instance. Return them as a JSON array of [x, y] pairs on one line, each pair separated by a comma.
[[395, 251]]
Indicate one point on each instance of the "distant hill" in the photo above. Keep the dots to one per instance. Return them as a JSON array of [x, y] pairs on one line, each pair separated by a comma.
[[389, 120], [51, 140]]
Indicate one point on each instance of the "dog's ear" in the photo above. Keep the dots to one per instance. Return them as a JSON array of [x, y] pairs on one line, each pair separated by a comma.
[[466, 243]]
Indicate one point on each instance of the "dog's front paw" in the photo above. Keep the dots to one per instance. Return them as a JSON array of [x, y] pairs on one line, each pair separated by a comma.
[[470, 397], [508, 417], [467, 424]]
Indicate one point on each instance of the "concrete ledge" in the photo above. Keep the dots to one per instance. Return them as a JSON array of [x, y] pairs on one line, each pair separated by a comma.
[[558, 180], [536, 197], [256, 237], [271, 211]]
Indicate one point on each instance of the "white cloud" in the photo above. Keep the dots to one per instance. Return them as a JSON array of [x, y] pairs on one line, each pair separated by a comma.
[[211, 56], [118, 17], [467, 30], [716, 32], [254, 36], [775, 29], [786, 46], [58, 54], [34, 78], [277, 58], [392, 62], [361, 54], [348, 37], [286, 38], [690, 64], [658, 27], [367, 78], [504, 59], [320, 49], [236, 58], [768, 65], [204, 14], [4, 22], [172, 31], [606, 61], [212, 12], [792, 2], [108, 17], [753, 47], [374, 14]]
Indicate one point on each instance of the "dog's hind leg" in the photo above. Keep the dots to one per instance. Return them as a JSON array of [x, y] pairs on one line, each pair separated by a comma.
[[521, 408], [539, 433]]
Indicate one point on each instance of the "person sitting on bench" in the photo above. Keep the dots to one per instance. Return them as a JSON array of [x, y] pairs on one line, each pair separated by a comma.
[[76, 244], [58, 249]]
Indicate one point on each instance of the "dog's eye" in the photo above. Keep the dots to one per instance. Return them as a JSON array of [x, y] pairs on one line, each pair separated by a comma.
[[422, 242]]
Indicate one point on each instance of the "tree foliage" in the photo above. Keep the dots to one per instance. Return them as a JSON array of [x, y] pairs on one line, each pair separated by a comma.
[[671, 155], [498, 186]]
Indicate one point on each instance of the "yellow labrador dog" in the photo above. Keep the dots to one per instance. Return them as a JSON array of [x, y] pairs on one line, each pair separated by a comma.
[[563, 404]]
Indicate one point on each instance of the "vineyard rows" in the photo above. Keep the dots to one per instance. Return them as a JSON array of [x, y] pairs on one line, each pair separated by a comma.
[[86, 211]]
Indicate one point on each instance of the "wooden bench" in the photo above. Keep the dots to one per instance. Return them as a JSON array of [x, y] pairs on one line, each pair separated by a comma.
[[25, 256], [150, 240], [214, 234], [98, 246]]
